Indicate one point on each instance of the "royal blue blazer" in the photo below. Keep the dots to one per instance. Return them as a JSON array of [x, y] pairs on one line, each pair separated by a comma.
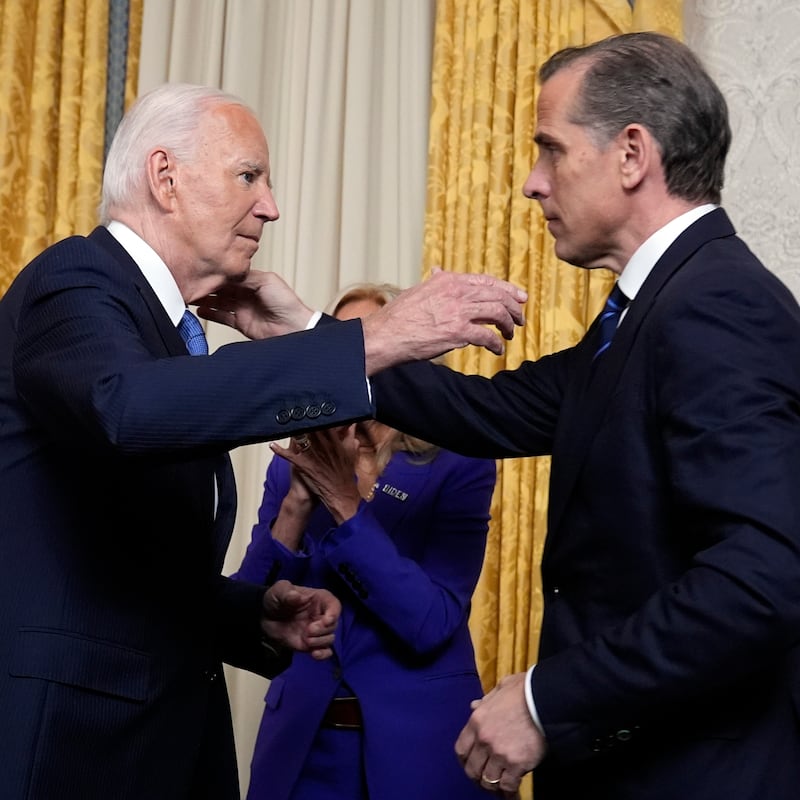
[[669, 662], [404, 567], [117, 503]]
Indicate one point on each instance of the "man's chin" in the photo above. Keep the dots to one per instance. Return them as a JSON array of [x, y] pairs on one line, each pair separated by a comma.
[[563, 253], [576, 259], [241, 275]]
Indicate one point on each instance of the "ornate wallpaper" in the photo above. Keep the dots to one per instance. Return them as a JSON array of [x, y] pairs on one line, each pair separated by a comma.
[[752, 49]]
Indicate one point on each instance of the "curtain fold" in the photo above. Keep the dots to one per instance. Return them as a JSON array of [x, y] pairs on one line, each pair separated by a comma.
[[53, 63], [483, 102]]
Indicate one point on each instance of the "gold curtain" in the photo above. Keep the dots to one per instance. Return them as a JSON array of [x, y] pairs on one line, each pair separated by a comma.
[[483, 102], [52, 104]]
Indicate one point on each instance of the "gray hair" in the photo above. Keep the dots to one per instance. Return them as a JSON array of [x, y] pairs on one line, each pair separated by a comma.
[[656, 81], [167, 117]]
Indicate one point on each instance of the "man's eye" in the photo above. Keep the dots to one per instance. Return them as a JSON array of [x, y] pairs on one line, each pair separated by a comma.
[[249, 177]]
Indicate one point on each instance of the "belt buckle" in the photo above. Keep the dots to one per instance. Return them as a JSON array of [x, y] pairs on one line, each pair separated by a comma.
[[348, 702]]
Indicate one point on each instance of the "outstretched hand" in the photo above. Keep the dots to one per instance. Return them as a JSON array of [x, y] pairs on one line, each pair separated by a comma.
[[260, 306], [301, 618], [448, 311]]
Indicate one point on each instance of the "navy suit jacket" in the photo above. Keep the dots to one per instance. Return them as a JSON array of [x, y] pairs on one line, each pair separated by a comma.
[[404, 567], [117, 503], [668, 663]]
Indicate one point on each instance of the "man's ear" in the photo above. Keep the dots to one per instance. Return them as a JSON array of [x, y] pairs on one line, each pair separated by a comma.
[[638, 154], [160, 171]]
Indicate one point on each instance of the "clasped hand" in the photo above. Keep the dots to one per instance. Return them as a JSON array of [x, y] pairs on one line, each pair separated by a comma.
[[326, 465], [301, 618]]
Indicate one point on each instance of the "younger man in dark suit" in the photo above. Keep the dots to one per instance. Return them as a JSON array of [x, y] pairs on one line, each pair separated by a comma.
[[669, 664]]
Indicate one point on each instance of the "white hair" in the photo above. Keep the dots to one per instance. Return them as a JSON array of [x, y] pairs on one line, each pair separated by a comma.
[[167, 117]]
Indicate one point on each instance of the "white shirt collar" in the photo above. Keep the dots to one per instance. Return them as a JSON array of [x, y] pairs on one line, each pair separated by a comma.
[[155, 271], [647, 254]]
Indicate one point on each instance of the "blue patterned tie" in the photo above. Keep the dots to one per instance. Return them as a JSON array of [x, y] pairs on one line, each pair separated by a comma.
[[609, 318], [191, 332]]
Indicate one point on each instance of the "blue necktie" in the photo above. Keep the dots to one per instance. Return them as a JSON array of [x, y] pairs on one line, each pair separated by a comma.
[[609, 318], [191, 332]]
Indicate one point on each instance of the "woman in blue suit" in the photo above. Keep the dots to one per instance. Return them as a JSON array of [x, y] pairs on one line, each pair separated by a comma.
[[397, 530]]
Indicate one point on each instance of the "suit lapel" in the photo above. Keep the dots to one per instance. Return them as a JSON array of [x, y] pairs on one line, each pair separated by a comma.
[[162, 338], [226, 508], [589, 399], [167, 332]]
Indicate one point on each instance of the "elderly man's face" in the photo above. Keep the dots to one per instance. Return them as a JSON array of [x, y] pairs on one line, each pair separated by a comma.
[[224, 195]]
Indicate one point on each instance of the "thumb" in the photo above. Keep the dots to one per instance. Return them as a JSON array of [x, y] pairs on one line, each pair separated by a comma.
[[280, 596]]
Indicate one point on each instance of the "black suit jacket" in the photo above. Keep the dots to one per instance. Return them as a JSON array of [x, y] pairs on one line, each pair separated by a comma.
[[668, 663], [115, 618]]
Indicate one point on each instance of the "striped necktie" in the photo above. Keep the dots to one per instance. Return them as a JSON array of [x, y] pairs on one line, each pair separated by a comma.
[[609, 319], [191, 332]]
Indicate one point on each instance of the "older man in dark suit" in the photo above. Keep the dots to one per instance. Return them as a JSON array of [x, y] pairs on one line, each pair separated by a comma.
[[116, 492]]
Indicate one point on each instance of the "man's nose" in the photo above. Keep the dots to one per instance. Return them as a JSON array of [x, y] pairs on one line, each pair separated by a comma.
[[535, 187], [267, 208]]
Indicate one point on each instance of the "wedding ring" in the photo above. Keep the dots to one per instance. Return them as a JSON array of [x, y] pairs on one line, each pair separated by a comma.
[[490, 782], [302, 441]]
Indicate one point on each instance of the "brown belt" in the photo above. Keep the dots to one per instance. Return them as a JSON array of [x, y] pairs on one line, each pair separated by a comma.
[[343, 712]]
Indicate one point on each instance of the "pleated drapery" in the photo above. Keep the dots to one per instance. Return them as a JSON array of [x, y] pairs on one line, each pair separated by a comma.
[[53, 67]]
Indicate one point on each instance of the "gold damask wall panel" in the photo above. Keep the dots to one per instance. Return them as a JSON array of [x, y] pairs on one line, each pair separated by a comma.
[[483, 104], [52, 102]]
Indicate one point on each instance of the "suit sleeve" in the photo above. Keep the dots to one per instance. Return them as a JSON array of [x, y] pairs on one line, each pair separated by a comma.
[[421, 600], [267, 560], [92, 365], [512, 414], [237, 629]]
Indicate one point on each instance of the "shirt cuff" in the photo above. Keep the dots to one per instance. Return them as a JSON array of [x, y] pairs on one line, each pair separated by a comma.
[[529, 700]]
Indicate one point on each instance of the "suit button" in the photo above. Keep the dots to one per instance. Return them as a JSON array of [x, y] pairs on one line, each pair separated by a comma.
[[210, 675], [312, 412], [328, 408], [298, 413], [282, 417]]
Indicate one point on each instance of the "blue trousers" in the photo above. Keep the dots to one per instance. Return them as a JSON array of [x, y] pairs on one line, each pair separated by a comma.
[[334, 769]]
